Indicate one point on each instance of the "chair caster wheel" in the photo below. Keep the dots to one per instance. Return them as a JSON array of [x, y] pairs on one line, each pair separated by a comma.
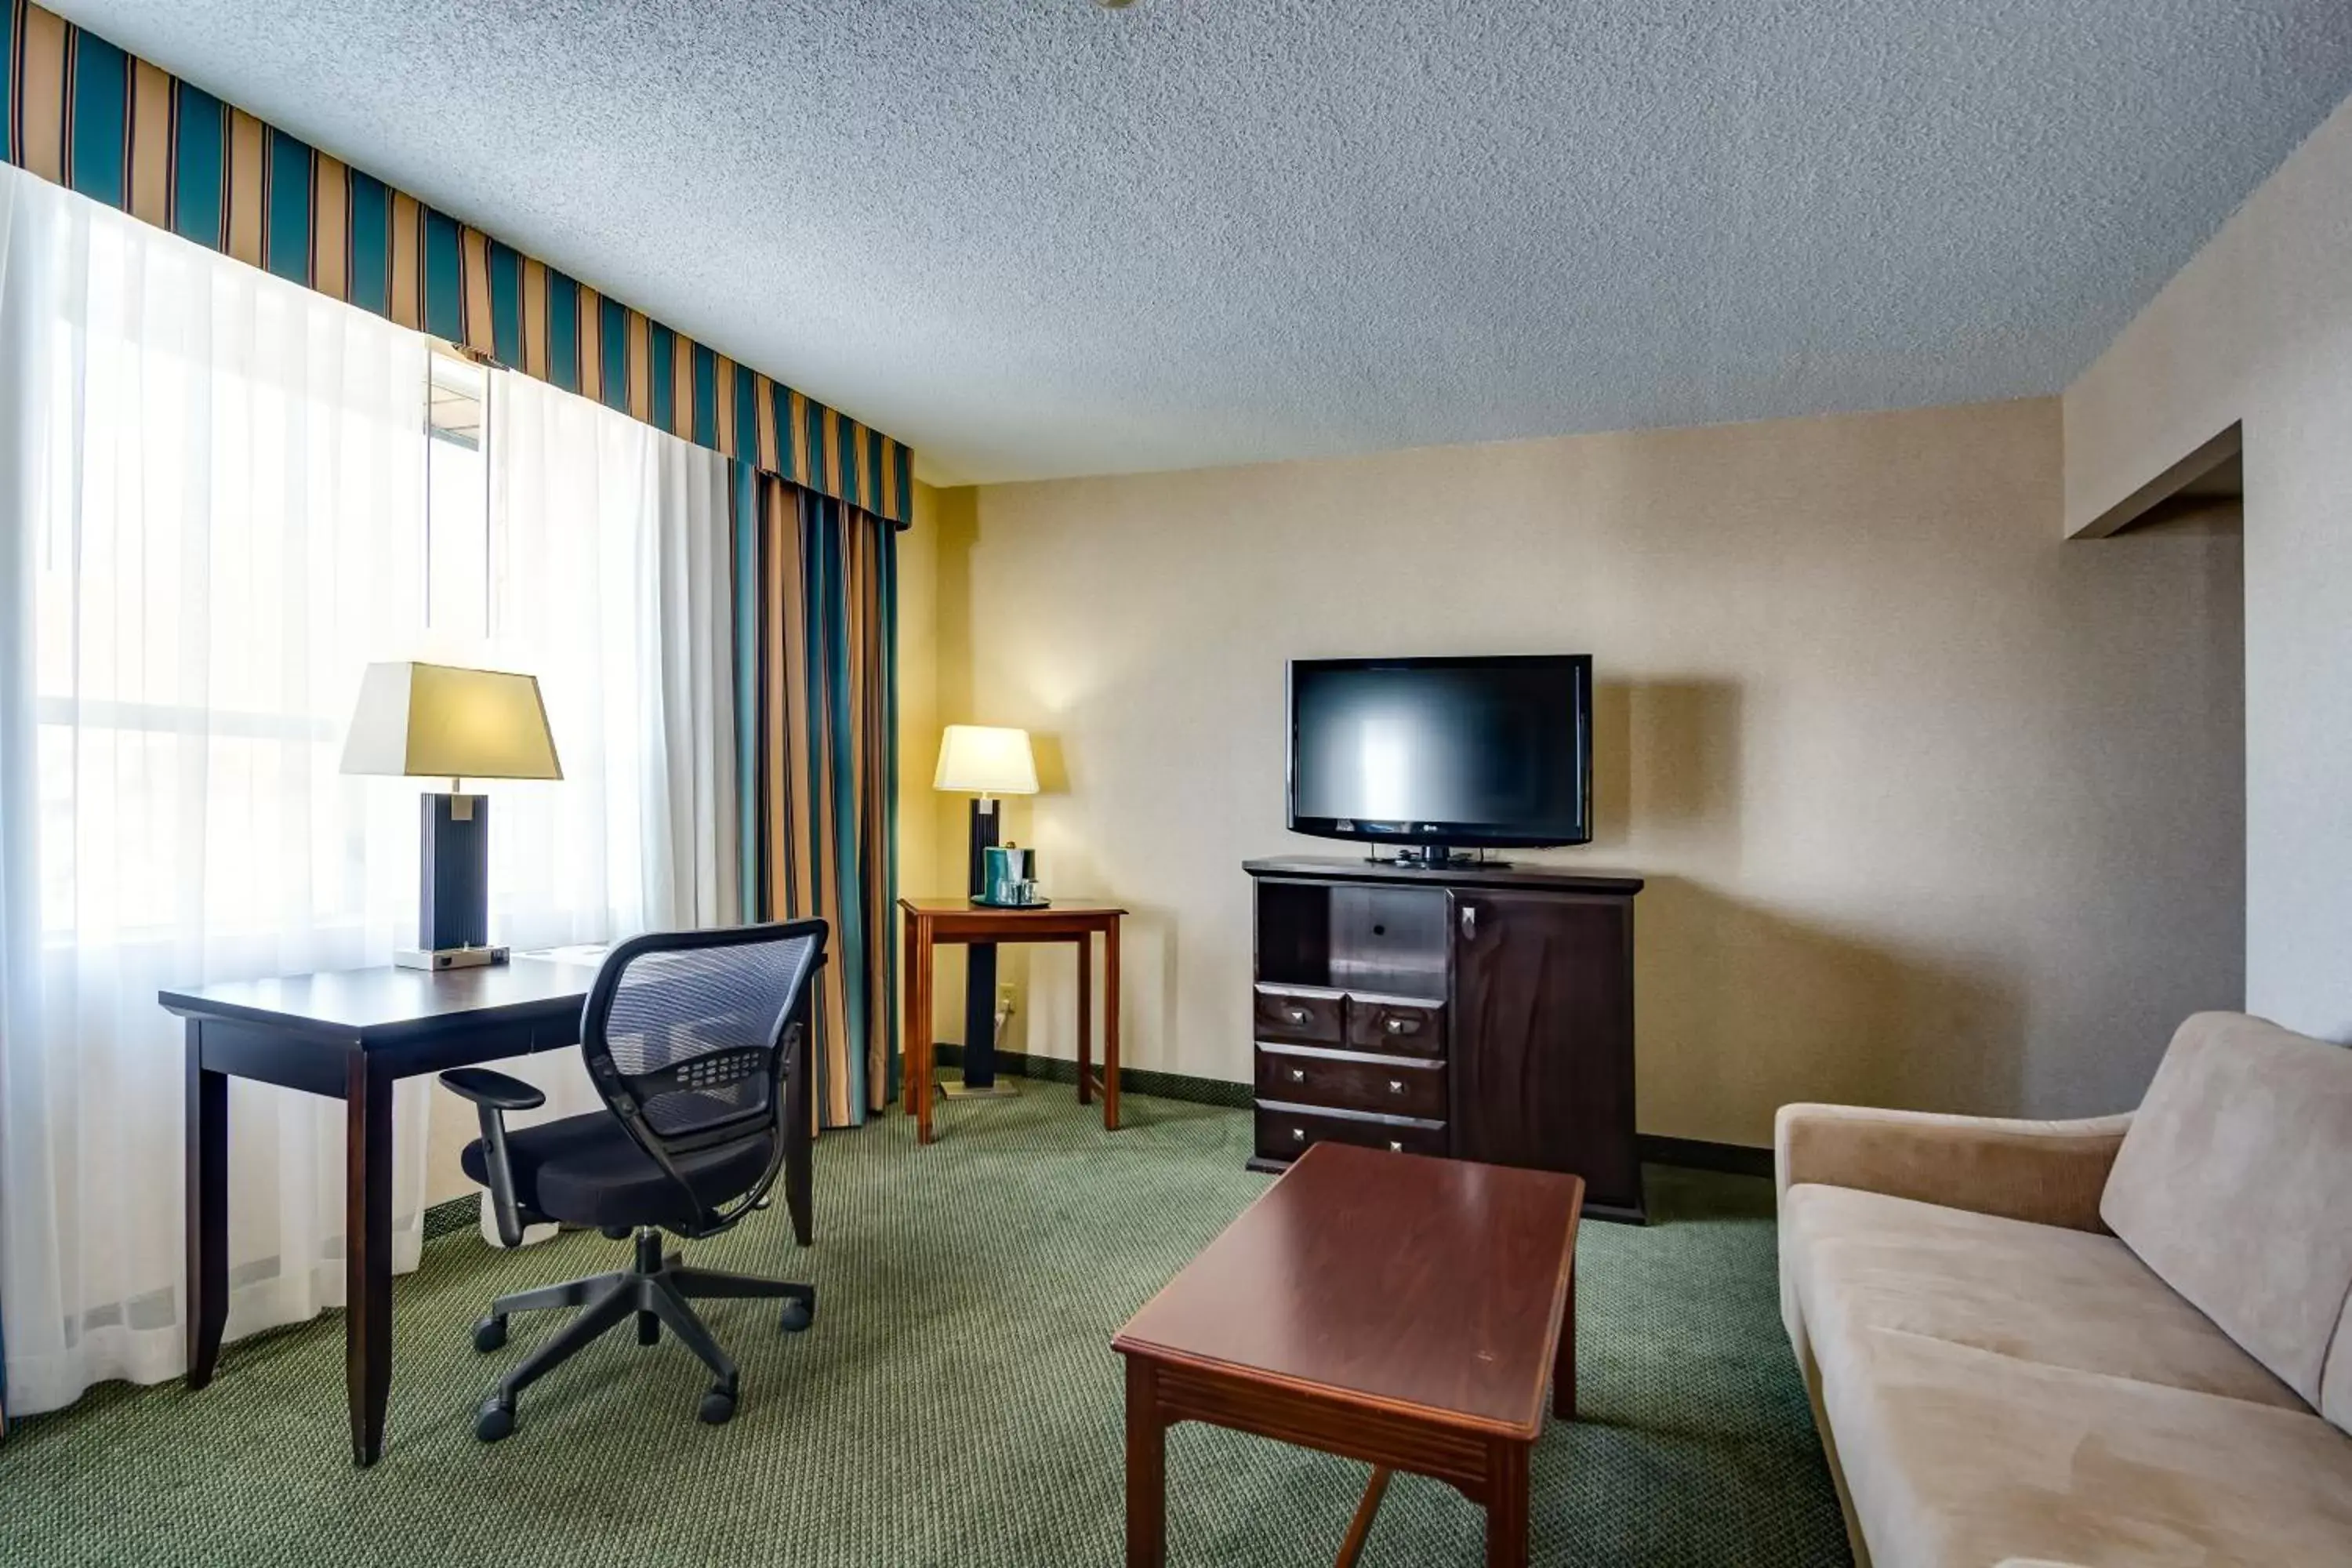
[[717, 1407], [797, 1315], [495, 1419], [490, 1334]]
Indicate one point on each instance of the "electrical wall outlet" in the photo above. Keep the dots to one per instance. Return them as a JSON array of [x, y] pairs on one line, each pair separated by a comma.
[[1005, 1000]]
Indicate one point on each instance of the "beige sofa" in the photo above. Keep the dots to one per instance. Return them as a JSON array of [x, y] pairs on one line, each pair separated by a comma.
[[2119, 1341]]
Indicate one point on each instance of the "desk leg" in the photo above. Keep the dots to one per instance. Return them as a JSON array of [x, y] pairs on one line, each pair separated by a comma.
[[1564, 1371], [1146, 1468], [207, 1198], [367, 1253], [1086, 1020], [1507, 1504], [1110, 1025]]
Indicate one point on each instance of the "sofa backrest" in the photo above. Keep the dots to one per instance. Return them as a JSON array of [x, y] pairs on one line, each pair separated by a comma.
[[2232, 1184], [2335, 1382]]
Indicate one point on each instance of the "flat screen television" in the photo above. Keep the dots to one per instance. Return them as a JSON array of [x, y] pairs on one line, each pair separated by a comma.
[[1435, 754]]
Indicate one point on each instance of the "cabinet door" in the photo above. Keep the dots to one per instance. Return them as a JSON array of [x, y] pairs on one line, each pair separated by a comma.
[[1543, 1036]]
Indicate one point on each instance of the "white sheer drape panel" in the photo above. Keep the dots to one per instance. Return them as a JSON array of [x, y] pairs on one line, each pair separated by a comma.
[[686, 614], [611, 575], [213, 509], [213, 513]]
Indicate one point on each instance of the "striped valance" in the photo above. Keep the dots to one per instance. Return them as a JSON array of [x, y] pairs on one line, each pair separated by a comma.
[[85, 114]]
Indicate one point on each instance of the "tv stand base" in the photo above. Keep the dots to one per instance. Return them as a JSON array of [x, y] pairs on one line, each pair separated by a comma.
[[1435, 857]]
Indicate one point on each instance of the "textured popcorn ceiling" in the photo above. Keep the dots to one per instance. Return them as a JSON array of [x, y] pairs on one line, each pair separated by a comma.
[[1037, 237]]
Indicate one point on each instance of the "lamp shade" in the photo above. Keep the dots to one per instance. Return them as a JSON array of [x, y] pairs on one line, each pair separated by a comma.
[[985, 760], [439, 721]]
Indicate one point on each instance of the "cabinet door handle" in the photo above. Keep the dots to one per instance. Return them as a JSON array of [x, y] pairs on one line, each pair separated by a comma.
[[1298, 1136], [1296, 1015], [1298, 1075], [1396, 1147], [1470, 920], [1395, 1026]]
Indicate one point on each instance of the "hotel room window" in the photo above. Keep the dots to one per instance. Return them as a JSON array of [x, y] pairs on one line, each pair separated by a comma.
[[457, 500]]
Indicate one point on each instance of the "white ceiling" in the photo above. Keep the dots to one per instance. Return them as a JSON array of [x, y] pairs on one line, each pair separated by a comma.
[[1037, 237]]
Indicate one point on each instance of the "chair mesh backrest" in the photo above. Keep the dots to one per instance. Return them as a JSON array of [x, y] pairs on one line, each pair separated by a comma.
[[694, 1031]]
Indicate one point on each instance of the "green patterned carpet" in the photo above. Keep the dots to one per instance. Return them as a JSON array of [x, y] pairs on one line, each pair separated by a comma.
[[956, 1402]]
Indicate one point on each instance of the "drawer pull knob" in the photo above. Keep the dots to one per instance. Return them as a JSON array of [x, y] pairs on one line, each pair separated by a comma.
[[1396, 1086], [1396, 1026], [1296, 1015], [1298, 1075], [1298, 1136], [1396, 1147]]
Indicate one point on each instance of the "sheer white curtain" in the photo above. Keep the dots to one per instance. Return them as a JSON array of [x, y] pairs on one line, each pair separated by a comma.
[[611, 579], [211, 504], [212, 512]]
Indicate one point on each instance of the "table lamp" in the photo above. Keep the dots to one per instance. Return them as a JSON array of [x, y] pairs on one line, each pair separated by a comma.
[[987, 762], [438, 721]]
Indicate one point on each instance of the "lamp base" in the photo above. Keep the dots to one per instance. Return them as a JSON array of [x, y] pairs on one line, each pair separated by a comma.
[[1004, 1088], [448, 957]]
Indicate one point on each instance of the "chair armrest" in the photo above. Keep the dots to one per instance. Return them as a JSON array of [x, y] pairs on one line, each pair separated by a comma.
[[2049, 1173], [494, 1094], [492, 1090]]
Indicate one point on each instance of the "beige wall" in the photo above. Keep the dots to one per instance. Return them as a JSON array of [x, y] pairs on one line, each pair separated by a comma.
[[2258, 329], [1937, 809]]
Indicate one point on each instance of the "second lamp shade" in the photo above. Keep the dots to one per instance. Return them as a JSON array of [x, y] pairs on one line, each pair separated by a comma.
[[983, 758]]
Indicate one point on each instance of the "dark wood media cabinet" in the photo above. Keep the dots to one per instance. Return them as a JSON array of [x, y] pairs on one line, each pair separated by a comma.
[[1477, 1012]]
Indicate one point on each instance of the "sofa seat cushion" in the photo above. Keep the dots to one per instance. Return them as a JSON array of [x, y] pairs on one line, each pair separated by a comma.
[[1862, 1261], [1959, 1457]]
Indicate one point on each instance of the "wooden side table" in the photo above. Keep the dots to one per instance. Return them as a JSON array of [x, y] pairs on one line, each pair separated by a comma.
[[931, 922]]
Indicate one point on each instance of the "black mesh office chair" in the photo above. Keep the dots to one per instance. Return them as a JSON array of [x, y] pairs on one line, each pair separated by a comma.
[[698, 1041]]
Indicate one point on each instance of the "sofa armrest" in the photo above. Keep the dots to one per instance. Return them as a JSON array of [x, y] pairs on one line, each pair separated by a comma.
[[2049, 1172]]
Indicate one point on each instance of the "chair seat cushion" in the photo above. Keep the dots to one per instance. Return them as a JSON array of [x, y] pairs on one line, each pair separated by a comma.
[[587, 1171]]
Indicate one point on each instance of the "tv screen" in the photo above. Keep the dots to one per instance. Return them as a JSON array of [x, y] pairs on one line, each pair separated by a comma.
[[1465, 751]]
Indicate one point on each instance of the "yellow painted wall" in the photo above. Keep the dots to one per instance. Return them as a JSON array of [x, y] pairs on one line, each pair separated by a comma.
[[1937, 808]]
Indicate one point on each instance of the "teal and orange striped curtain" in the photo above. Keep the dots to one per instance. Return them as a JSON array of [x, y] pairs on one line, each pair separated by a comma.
[[81, 112], [816, 619]]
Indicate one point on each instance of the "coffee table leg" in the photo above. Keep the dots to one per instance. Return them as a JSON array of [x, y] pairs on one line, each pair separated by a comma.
[[1507, 1505], [1147, 1471], [1563, 1372]]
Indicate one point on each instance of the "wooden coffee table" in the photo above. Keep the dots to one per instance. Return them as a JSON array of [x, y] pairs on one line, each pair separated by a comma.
[[1406, 1311]]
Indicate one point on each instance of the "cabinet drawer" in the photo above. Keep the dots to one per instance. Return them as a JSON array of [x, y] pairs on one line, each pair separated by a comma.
[[1286, 1132], [1388, 1086], [1397, 1026], [1301, 1013]]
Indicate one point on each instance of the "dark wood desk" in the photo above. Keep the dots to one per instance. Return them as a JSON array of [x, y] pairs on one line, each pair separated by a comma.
[[352, 1035], [931, 922], [1405, 1310]]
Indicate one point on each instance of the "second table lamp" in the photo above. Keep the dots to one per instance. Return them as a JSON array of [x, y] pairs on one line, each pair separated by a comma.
[[985, 761]]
